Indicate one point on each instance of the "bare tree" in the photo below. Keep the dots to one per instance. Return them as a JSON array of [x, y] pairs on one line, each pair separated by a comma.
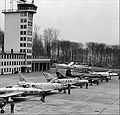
[[2, 40], [37, 42]]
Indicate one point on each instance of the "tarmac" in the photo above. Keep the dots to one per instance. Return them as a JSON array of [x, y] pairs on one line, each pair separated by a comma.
[[101, 99]]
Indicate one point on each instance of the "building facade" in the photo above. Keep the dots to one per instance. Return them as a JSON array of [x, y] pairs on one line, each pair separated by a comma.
[[17, 54]]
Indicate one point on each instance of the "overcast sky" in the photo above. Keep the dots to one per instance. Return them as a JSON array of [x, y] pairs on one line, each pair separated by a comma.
[[78, 20]]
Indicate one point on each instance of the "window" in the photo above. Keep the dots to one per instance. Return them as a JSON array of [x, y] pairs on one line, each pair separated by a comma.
[[21, 20], [21, 32], [24, 32], [20, 50], [25, 20], [24, 50], [4, 63], [21, 26], [29, 63], [23, 14], [25, 26], [4, 69], [29, 39], [5, 56], [20, 44], [24, 38], [29, 57], [29, 45], [29, 32]]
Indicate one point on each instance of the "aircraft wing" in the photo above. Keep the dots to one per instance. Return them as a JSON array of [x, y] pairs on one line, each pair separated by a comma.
[[11, 94], [16, 91]]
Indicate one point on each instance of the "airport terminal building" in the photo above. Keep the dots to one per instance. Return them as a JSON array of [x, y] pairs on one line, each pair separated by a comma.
[[17, 53]]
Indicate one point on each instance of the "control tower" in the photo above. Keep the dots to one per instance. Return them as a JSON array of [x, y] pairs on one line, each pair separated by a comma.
[[18, 30]]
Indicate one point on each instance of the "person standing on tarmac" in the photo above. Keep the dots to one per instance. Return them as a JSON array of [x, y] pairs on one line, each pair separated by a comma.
[[68, 72], [12, 106], [69, 88], [43, 96], [86, 85]]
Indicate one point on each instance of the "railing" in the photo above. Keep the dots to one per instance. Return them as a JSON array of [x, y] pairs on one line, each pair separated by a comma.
[[10, 10], [15, 10]]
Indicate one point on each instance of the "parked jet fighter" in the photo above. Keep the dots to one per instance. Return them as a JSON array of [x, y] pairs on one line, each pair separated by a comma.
[[48, 87], [14, 92], [71, 81]]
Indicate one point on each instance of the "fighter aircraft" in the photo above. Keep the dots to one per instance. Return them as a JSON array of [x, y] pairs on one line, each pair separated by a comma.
[[63, 65], [83, 76], [8, 93], [65, 81], [47, 87]]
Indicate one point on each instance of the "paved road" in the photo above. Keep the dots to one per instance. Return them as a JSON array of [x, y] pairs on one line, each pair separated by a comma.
[[101, 99]]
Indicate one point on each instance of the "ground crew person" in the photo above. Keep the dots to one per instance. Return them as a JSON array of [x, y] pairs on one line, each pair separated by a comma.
[[69, 88], [43, 96], [68, 72], [86, 85], [12, 106]]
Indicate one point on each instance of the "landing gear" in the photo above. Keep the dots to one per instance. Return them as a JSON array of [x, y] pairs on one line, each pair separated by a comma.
[[60, 90], [107, 79], [2, 110], [64, 91]]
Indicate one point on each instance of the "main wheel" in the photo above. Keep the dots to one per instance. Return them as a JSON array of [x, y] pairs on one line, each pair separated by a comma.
[[2, 111]]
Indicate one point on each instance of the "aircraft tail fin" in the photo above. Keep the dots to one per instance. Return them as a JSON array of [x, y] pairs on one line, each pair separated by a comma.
[[21, 77], [48, 76], [71, 63], [59, 75]]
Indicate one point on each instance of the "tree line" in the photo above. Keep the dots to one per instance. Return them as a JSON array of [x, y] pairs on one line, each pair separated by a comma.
[[62, 51]]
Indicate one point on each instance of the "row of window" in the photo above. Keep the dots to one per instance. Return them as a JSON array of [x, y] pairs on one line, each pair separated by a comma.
[[24, 45], [29, 57], [29, 45], [11, 69], [23, 20], [23, 14], [12, 56], [29, 51], [13, 63], [23, 26], [24, 39], [29, 39], [29, 23], [29, 32], [24, 51], [24, 32]]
